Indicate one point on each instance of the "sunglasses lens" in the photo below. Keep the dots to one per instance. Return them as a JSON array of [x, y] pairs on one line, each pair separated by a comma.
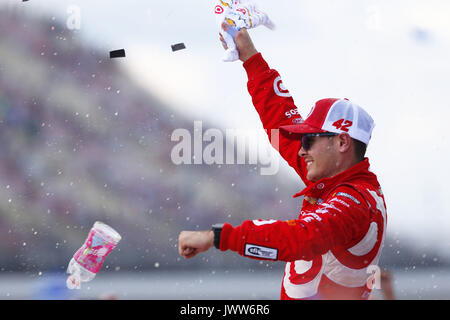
[[306, 142], [307, 139]]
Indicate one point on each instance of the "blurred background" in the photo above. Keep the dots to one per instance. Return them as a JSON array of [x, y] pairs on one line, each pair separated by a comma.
[[87, 138]]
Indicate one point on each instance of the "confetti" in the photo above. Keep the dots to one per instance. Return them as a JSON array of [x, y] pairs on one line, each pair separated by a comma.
[[117, 54], [178, 46]]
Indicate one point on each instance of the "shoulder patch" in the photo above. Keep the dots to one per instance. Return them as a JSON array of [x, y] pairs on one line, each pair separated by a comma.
[[343, 194], [330, 205], [340, 201]]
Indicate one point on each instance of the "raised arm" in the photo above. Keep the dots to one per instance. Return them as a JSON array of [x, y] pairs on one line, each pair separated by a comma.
[[271, 100]]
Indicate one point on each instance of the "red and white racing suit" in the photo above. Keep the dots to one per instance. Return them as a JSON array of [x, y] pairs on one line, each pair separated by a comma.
[[332, 249]]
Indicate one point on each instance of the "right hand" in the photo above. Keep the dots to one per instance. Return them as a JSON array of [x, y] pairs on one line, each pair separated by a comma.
[[243, 42], [190, 243]]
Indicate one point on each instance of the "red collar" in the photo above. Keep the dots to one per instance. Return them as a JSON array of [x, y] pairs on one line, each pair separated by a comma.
[[358, 171]]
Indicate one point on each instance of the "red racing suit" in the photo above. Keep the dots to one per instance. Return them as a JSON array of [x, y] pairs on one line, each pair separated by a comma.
[[332, 249]]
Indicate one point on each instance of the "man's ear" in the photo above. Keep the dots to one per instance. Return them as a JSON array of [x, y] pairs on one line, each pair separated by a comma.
[[345, 142]]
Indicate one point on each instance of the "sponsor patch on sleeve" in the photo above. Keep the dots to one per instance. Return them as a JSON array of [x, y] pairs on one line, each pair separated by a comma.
[[349, 196], [279, 88], [254, 250], [292, 222]]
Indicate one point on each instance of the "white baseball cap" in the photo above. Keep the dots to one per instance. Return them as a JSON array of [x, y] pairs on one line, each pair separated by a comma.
[[337, 116]]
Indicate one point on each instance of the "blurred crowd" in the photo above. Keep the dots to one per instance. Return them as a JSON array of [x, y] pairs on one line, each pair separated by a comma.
[[81, 142]]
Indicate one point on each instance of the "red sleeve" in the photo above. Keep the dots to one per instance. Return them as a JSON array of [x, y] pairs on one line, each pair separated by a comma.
[[275, 107], [339, 221]]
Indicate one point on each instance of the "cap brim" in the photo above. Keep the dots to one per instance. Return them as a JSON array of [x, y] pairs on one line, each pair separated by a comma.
[[301, 128]]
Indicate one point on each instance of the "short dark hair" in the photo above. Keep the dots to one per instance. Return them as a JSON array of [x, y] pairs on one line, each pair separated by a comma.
[[360, 149]]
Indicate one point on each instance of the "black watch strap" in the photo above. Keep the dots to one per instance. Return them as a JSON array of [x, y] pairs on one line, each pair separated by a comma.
[[217, 229]]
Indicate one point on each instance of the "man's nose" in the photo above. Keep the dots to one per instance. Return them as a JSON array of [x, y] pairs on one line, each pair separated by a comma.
[[302, 152]]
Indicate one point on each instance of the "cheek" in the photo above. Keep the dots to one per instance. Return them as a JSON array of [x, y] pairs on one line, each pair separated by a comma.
[[324, 157]]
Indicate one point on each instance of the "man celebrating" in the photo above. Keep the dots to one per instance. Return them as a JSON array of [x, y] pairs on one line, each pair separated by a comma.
[[332, 247]]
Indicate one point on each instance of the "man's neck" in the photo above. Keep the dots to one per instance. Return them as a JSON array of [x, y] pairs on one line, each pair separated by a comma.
[[344, 164]]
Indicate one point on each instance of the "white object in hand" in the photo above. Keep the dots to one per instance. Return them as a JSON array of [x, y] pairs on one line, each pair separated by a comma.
[[238, 14]]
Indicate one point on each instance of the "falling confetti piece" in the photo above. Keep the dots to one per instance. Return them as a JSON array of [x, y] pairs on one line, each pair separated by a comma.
[[117, 54], [178, 46]]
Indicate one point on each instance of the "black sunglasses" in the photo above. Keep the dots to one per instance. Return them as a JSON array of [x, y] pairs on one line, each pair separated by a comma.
[[307, 139]]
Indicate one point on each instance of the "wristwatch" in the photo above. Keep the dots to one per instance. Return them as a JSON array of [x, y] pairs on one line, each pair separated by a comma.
[[217, 229]]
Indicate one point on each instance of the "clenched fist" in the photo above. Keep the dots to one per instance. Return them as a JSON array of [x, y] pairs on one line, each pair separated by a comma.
[[190, 243], [244, 43]]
